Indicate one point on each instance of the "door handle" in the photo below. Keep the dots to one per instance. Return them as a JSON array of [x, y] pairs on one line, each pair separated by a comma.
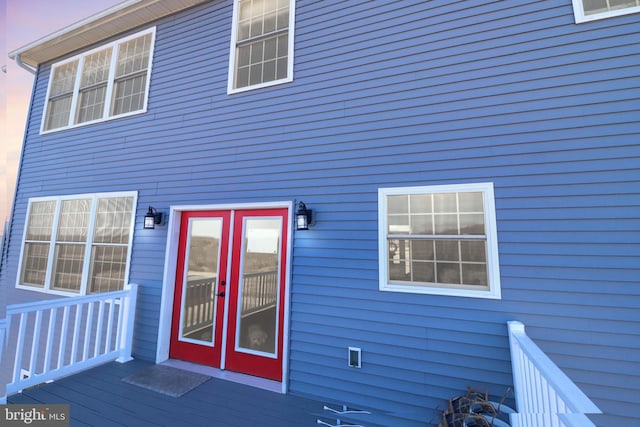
[[220, 294]]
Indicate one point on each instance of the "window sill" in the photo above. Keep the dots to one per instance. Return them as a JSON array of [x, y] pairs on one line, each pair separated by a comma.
[[484, 292]]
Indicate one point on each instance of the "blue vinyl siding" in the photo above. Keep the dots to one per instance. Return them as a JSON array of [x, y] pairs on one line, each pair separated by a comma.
[[389, 94]]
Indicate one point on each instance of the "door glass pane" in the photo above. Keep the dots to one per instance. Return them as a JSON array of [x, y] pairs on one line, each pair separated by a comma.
[[200, 279], [259, 288]]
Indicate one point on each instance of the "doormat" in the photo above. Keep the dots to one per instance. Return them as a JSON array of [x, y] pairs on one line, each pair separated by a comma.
[[166, 380]]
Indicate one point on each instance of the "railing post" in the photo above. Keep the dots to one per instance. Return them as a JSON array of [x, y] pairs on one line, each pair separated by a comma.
[[517, 328], [128, 320]]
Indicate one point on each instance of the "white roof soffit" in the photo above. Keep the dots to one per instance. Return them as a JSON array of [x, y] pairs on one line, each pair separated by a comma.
[[110, 22]]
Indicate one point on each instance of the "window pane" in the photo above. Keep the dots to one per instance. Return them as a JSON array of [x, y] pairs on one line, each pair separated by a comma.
[[421, 224], [470, 202], [423, 272], [68, 262], [281, 69], [421, 203], [129, 95], [445, 203], [398, 224], [108, 266], [474, 274], [473, 250], [91, 104], [242, 78], [244, 54], [283, 18], [74, 220], [399, 272], [41, 220], [447, 250], [64, 78], [283, 46], [446, 224], [133, 56], [422, 250], [255, 74], [60, 95], [259, 289], [34, 264], [58, 111], [270, 48], [269, 71], [448, 273], [113, 220], [256, 53], [398, 204], [472, 224], [269, 23], [95, 69]]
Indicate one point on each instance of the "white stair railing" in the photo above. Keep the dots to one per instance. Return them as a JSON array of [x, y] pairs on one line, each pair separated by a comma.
[[545, 396], [55, 338]]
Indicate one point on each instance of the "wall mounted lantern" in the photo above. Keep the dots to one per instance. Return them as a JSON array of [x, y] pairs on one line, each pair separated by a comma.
[[304, 217], [152, 218]]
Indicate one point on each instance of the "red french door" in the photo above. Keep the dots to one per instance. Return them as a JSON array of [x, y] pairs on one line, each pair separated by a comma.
[[200, 287], [229, 300]]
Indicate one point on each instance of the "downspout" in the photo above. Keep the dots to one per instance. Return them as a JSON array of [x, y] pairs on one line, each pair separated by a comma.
[[23, 65]]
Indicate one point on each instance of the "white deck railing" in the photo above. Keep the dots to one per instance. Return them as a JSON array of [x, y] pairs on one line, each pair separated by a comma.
[[55, 338], [545, 396]]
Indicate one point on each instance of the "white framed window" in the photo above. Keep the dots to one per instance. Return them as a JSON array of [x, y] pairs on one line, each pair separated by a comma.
[[590, 10], [261, 44], [107, 82], [77, 245], [439, 240]]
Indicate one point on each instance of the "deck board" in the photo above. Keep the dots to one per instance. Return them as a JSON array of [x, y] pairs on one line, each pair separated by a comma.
[[98, 397]]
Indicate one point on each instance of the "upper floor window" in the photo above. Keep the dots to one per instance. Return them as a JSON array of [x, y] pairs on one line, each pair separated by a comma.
[[107, 82], [261, 43], [439, 240], [589, 10], [77, 244]]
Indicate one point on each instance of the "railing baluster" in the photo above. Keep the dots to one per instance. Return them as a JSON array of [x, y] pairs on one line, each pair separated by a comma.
[[63, 336], [108, 341], [76, 334], [50, 335], [35, 343], [98, 335], [20, 347], [88, 326]]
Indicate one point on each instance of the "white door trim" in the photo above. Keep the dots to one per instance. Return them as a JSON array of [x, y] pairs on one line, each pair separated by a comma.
[[168, 279]]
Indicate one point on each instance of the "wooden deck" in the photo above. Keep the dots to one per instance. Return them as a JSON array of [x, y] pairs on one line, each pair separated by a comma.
[[99, 397]]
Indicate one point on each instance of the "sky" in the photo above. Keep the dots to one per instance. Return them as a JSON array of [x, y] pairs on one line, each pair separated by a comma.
[[22, 22]]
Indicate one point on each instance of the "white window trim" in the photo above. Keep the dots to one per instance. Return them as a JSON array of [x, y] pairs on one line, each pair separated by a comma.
[[87, 259], [493, 268], [232, 52], [578, 12], [110, 84]]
